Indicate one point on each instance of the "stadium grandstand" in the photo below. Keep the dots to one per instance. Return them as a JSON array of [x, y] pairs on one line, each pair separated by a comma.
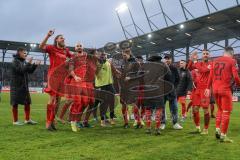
[[212, 31]]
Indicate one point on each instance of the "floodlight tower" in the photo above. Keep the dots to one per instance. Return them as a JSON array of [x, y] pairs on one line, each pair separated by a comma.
[[151, 24], [123, 8], [187, 13]]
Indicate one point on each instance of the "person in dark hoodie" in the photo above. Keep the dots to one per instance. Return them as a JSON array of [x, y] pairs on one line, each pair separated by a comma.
[[184, 87], [158, 72], [129, 71], [19, 91], [172, 97]]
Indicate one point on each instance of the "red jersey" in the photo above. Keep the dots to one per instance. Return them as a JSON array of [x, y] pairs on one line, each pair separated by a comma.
[[222, 72], [91, 68], [85, 67], [204, 72], [195, 77], [57, 56], [80, 65]]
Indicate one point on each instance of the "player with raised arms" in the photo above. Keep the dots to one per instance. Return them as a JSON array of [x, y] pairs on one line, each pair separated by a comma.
[[199, 99], [58, 53]]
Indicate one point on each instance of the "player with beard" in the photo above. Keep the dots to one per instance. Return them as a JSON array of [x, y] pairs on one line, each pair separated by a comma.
[[199, 99], [195, 76], [223, 70], [104, 84], [82, 70], [58, 53]]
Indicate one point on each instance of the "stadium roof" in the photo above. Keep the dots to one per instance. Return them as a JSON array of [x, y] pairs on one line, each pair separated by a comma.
[[221, 25], [31, 47]]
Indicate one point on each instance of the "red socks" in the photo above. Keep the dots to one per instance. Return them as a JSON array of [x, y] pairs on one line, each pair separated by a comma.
[[27, 112], [76, 111], [222, 120], [15, 113], [225, 122], [158, 117], [218, 118], [50, 112], [148, 113], [136, 114], [183, 109], [196, 118], [206, 120]]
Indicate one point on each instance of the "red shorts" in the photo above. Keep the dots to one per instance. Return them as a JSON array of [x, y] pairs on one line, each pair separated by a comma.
[[81, 92], [53, 91], [49, 91], [182, 99], [88, 94], [199, 99], [223, 100], [84, 99]]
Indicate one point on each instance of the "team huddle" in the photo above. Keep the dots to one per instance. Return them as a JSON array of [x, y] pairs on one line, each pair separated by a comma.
[[88, 81]]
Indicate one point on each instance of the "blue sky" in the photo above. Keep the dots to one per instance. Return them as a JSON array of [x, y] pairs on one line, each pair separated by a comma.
[[93, 22]]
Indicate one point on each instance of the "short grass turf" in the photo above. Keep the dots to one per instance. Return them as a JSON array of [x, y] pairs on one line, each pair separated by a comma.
[[112, 143]]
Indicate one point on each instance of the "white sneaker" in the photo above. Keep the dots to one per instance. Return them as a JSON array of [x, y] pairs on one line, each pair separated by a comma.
[[30, 122], [177, 126], [163, 126], [132, 117], [153, 117], [17, 123]]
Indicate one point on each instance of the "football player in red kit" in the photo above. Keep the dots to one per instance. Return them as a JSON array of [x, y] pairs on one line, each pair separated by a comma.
[[58, 53], [224, 69], [82, 69], [195, 77], [199, 99]]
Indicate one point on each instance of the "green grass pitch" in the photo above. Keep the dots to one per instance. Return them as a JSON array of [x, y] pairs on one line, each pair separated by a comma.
[[112, 143]]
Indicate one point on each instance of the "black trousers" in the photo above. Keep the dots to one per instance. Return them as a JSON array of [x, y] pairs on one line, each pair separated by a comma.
[[106, 98]]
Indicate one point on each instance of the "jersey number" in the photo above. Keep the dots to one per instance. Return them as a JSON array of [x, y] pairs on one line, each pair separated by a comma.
[[218, 68]]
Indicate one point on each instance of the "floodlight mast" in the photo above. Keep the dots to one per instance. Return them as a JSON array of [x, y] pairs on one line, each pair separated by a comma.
[[148, 19], [123, 8], [119, 19]]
